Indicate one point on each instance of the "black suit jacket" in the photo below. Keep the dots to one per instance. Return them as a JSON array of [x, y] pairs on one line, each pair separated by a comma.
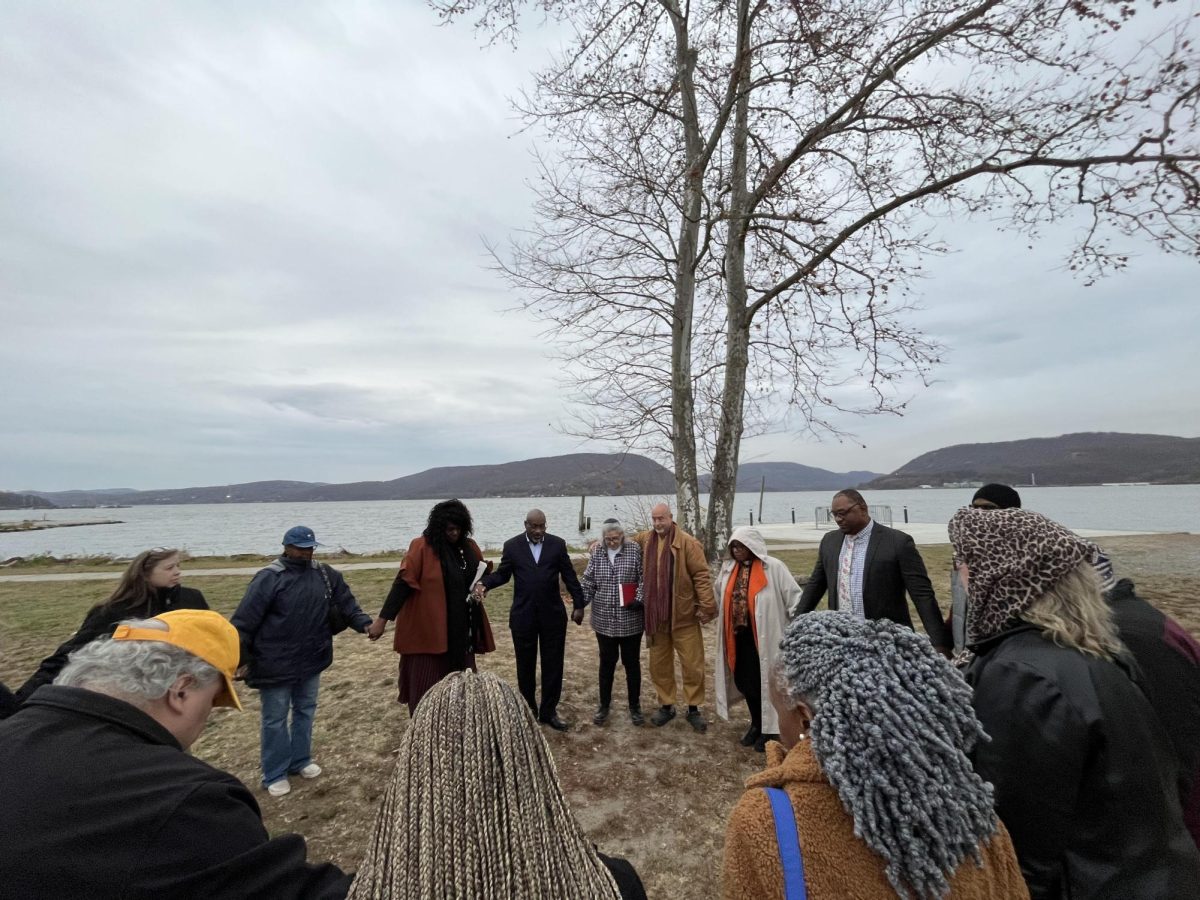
[[536, 586], [892, 567]]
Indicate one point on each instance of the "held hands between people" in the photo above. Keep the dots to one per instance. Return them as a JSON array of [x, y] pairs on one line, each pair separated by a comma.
[[376, 629], [479, 592], [577, 616]]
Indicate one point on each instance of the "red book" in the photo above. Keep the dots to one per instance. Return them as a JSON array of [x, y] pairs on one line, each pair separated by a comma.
[[629, 594]]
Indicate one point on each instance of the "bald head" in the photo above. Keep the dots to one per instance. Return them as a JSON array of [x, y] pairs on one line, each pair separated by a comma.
[[535, 525], [660, 518]]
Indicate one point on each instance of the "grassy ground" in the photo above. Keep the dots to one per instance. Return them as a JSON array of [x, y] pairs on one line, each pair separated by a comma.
[[657, 796]]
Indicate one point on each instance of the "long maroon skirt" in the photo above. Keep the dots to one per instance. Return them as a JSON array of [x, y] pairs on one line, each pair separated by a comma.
[[421, 671]]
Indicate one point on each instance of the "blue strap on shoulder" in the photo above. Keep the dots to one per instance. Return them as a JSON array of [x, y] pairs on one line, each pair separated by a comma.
[[789, 844]]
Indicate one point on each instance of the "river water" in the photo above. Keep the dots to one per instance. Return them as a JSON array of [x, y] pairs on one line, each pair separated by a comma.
[[372, 526]]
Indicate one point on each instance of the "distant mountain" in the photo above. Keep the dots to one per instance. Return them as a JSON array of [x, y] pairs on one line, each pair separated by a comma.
[[787, 476], [253, 492], [1085, 458], [9, 500], [597, 474]]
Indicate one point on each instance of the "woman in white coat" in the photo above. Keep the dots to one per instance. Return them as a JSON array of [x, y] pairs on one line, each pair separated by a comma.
[[757, 597]]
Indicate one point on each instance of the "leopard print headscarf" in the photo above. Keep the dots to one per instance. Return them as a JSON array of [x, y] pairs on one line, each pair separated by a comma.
[[1014, 556]]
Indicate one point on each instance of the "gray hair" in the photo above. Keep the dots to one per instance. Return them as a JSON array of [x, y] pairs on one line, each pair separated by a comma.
[[135, 671], [892, 726], [611, 525]]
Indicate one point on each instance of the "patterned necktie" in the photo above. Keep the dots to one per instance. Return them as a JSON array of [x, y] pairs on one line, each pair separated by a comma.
[[846, 599]]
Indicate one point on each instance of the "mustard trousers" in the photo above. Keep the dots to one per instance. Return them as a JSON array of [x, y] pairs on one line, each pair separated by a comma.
[[688, 642]]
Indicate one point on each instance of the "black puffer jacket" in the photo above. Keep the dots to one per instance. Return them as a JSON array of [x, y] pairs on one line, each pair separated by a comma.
[[100, 801], [102, 620], [1084, 774], [1168, 664], [283, 620]]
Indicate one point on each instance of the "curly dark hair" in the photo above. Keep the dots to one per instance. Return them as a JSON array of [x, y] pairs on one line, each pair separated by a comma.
[[448, 512]]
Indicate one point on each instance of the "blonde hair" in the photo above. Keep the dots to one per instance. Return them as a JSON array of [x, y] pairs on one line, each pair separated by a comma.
[[1073, 614], [474, 808]]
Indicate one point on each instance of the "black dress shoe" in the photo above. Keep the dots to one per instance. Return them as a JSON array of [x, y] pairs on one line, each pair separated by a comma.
[[636, 717], [601, 715], [752, 734], [556, 723], [662, 716]]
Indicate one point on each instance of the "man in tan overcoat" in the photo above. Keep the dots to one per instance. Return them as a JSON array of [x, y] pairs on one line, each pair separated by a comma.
[[677, 592]]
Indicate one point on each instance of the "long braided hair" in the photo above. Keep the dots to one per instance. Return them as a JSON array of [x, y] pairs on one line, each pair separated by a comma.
[[474, 808], [892, 726]]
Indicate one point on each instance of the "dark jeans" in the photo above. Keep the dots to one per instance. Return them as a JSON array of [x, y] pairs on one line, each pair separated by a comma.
[[547, 632], [746, 674], [630, 651]]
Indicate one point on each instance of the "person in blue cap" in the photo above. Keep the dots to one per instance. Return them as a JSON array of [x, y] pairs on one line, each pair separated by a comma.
[[286, 621]]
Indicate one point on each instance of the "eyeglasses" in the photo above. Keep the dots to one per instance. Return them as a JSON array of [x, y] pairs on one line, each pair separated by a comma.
[[842, 513]]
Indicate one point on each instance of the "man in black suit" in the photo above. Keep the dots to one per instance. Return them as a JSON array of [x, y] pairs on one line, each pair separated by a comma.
[[537, 560], [867, 567]]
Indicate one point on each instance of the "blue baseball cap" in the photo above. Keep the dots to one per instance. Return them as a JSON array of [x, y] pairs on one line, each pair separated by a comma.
[[300, 536]]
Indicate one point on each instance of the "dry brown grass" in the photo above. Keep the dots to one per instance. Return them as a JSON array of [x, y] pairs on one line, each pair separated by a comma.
[[657, 796]]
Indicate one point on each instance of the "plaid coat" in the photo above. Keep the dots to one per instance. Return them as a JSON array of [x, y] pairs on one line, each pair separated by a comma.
[[601, 590]]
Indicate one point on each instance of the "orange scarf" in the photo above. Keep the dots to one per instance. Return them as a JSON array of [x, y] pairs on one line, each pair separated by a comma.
[[758, 581]]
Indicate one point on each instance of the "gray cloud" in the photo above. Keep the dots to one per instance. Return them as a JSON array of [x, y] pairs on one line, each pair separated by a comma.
[[243, 241]]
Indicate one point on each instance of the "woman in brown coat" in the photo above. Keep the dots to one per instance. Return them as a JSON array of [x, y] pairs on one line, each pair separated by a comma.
[[439, 628], [873, 774]]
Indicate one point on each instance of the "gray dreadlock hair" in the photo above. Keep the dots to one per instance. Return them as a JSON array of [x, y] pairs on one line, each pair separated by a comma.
[[474, 808], [892, 726]]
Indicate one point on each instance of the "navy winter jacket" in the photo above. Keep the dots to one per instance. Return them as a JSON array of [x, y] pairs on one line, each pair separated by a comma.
[[283, 621]]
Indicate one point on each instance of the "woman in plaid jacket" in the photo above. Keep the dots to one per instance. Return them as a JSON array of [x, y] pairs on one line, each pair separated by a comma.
[[612, 586]]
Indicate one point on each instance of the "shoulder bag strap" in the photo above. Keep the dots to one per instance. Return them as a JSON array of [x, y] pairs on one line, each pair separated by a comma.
[[788, 840], [320, 567]]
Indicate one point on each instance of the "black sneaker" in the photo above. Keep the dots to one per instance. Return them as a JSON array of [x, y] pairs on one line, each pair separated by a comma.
[[662, 716], [696, 719], [636, 717], [752, 734], [601, 715]]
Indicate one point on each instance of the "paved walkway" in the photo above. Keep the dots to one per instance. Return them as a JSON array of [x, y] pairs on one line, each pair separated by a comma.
[[189, 574], [799, 537], [780, 537]]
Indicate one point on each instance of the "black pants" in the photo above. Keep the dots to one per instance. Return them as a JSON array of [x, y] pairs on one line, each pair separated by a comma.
[[544, 631], [630, 651], [746, 674]]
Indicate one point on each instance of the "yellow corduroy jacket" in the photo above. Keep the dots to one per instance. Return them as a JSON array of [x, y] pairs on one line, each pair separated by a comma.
[[837, 864]]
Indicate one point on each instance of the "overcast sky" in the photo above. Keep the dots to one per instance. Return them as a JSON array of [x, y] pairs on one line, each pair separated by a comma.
[[244, 241]]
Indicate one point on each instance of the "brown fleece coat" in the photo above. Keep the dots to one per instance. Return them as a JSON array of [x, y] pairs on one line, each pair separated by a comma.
[[692, 591], [421, 622], [837, 865]]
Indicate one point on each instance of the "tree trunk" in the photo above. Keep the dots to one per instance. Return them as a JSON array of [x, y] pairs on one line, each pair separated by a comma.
[[683, 415], [737, 326]]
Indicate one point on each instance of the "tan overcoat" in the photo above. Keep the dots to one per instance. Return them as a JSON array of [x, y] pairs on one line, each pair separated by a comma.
[[692, 591]]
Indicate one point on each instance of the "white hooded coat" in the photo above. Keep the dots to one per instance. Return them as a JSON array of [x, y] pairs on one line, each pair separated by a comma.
[[774, 607]]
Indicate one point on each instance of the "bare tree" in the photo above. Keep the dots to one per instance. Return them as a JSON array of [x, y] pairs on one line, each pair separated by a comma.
[[755, 186]]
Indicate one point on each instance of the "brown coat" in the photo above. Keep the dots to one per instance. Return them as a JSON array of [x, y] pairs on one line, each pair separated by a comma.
[[836, 863], [692, 591], [421, 622]]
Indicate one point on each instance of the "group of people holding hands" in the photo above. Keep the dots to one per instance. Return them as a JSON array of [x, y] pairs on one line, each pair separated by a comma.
[[1044, 742]]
